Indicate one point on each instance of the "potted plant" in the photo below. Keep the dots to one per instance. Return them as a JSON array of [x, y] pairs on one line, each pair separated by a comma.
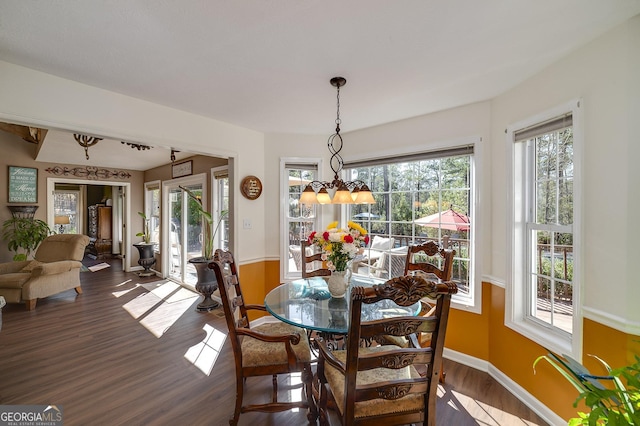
[[145, 248], [207, 283], [24, 234], [617, 403]]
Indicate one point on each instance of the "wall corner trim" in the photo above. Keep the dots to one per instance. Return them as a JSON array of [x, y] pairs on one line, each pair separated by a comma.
[[493, 281], [612, 321]]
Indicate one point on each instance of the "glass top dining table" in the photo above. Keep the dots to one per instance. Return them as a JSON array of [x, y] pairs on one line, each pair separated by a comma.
[[307, 303]]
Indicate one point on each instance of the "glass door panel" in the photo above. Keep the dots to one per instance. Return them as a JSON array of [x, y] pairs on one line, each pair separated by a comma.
[[185, 233]]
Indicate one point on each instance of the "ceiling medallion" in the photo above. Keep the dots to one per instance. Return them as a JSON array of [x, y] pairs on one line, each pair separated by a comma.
[[350, 192], [86, 142]]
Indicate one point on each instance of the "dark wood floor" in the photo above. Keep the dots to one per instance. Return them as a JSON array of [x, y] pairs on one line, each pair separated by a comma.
[[132, 351]]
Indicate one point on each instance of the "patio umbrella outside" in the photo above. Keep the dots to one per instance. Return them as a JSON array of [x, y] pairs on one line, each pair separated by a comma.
[[448, 219], [294, 181]]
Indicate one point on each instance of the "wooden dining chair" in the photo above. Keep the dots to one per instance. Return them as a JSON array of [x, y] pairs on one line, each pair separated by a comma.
[[311, 261], [428, 260], [382, 384], [269, 349]]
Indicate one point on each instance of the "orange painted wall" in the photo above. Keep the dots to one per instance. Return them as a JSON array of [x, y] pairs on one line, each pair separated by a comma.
[[257, 279], [468, 332], [614, 347]]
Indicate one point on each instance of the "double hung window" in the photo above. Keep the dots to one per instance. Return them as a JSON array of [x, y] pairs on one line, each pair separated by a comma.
[[543, 292], [298, 219]]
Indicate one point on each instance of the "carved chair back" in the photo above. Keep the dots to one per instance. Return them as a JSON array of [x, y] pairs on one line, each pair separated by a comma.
[[384, 384], [430, 251], [311, 260]]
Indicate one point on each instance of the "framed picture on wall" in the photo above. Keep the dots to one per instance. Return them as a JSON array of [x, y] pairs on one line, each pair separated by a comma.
[[23, 185], [182, 169]]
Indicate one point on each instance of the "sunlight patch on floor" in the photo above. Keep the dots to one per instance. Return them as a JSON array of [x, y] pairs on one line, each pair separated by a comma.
[[485, 414], [161, 306], [295, 394], [123, 292], [204, 354]]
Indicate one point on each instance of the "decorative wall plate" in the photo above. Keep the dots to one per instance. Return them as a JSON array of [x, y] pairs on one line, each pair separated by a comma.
[[251, 187]]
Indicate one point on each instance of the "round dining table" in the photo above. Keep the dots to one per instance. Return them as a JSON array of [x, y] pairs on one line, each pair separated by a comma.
[[307, 303]]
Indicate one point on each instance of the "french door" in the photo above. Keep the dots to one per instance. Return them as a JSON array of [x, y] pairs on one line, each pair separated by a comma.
[[182, 229]]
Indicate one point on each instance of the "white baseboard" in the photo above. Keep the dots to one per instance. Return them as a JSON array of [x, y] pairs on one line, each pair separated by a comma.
[[514, 388], [465, 359]]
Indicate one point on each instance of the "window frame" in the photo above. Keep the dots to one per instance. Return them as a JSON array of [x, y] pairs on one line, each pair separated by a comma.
[[149, 188], [472, 302], [285, 274], [518, 250], [219, 198]]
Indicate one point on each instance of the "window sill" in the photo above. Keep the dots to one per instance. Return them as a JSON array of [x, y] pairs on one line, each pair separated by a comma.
[[544, 336]]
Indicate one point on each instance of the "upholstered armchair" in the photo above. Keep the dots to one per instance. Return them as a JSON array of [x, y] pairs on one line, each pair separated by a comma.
[[56, 268]]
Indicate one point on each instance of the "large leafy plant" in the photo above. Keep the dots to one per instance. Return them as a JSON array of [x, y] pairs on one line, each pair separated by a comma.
[[24, 234], [617, 403], [146, 234], [208, 230]]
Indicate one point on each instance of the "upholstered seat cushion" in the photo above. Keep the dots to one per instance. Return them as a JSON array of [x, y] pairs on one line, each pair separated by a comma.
[[15, 280], [256, 352], [374, 407]]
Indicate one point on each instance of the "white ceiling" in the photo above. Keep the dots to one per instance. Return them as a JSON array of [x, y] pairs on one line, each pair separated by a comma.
[[266, 64]]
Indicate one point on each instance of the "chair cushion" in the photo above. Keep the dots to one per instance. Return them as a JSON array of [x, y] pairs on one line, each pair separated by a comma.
[[378, 406], [257, 353], [15, 280], [382, 243]]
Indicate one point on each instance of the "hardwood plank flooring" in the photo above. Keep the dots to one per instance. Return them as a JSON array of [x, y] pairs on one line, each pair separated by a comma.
[[132, 351]]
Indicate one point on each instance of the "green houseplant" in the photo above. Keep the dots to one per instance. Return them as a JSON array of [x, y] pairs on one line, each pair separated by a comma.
[[614, 399], [146, 234], [207, 283], [24, 234], [208, 230]]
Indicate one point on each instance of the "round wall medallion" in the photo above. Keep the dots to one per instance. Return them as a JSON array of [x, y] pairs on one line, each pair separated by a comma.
[[251, 187]]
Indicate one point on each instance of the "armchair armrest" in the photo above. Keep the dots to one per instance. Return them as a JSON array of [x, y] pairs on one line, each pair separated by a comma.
[[12, 267], [55, 267], [327, 355]]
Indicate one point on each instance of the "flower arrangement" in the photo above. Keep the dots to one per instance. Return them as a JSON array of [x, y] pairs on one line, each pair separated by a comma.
[[339, 245]]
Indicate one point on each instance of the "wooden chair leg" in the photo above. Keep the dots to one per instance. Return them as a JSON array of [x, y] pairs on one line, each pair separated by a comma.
[[30, 304], [79, 290], [442, 375]]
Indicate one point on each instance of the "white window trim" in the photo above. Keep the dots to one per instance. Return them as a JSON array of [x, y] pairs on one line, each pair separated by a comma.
[[474, 302], [284, 202], [215, 198], [515, 299]]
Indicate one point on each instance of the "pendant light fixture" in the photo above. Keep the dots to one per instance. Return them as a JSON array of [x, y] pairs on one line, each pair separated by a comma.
[[350, 192]]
